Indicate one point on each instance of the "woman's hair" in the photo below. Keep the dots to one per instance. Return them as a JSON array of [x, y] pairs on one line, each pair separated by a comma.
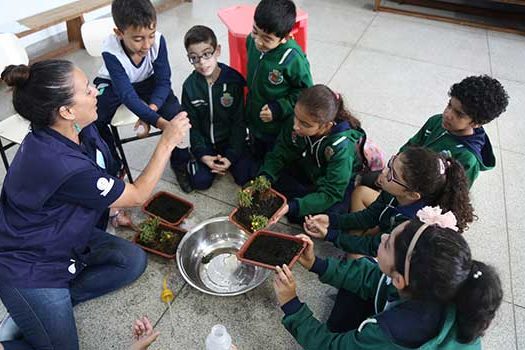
[[41, 89], [440, 180], [442, 270], [325, 105]]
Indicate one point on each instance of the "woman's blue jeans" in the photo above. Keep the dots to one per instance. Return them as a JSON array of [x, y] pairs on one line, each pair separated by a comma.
[[45, 315]]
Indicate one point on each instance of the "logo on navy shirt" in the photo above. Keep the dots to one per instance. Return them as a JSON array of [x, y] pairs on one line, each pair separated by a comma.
[[105, 185]]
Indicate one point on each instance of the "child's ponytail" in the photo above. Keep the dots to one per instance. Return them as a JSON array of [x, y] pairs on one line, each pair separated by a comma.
[[442, 270], [455, 195], [440, 181], [326, 106], [477, 301], [344, 114]]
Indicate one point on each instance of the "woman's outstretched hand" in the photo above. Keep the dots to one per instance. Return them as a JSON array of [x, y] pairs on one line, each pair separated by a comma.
[[177, 128]]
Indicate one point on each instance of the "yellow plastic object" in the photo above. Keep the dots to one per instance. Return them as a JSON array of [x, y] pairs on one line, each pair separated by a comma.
[[166, 295]]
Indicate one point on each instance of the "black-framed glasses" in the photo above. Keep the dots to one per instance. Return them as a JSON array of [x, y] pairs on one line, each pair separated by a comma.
[[391, 174], [194, 58]]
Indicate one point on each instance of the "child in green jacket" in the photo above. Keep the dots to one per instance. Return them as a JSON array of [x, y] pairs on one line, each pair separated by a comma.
[[213, 96], [458, 131], [314, 158], [424, 292], [413, 179], [277, 72]]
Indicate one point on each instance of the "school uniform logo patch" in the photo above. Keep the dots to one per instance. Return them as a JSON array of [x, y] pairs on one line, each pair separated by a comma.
[[276, 77], [226, 100], [328, 152], [105, 185]]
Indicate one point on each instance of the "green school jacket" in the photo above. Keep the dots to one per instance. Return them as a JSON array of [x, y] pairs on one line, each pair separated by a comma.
[[384, 212], [275, 78], [435, 137], [329, 162], [216, 112], [364, 278]]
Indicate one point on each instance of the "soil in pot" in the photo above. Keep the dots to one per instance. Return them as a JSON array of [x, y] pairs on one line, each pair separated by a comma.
[[168, 208], [271, 250], [266, 206]]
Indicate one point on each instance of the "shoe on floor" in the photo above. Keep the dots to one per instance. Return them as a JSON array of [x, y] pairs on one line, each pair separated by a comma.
[[9, 330], [183, 178]]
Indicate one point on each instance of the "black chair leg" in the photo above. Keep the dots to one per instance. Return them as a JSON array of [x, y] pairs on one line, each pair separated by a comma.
[[4, 156], [118, 143]]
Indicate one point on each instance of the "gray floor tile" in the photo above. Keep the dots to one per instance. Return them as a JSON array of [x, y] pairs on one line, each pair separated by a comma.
[[389, 135], [435, 44], [510, 123], [325, 59], [513, 169], [501, 333], [507, 57], [106, 321], [517, 256], [393, 87], [337, 25], [520, 324]]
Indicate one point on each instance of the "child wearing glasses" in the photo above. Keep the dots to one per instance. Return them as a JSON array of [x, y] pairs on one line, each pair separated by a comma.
[[213, 97], [425, 292], [413, 179], [277, 72], [136, 72], [457, 132]]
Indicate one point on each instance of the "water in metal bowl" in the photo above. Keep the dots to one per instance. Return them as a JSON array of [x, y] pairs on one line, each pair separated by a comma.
[[207, 261]]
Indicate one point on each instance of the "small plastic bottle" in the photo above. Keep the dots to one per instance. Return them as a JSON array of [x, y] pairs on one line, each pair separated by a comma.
[[218, 339]]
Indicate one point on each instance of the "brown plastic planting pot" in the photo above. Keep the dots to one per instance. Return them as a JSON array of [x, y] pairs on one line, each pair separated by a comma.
[[172, 197], [251, 239], [247, 229], [176, 230]]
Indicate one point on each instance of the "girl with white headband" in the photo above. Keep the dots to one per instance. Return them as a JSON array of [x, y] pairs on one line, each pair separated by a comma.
[[425, 292]]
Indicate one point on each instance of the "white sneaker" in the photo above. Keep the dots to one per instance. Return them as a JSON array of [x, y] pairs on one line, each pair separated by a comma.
[[8, 329]]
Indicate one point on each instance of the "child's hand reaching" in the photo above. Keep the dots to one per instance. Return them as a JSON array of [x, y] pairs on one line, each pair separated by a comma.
[[284, 285], [266, 114], [307, 258], [317, 225], [143, 334]]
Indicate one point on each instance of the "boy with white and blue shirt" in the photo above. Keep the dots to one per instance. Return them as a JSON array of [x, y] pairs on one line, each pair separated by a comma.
[[136, 73]]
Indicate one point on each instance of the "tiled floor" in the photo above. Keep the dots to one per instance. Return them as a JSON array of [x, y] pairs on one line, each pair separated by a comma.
[[394, 73]]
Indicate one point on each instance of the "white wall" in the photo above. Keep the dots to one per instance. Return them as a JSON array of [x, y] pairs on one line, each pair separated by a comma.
[[12, 10]]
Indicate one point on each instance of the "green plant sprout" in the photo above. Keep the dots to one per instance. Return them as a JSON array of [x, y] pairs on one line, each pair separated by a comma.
[[261, 184], [148, 230], [245, 198], [258, 222]]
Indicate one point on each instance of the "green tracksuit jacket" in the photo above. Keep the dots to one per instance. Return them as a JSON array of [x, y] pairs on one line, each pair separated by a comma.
[[473, 152], [364, 278], [216, 113], [329, 162], [275, 78], [384, 212]]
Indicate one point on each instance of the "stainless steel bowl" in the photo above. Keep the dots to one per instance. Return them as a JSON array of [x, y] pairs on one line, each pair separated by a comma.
[[207, 261]]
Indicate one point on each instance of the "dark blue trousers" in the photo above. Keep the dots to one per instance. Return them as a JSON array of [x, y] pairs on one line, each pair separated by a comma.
[[242, 170], [294, 184], [108, 103], [45, 315]]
